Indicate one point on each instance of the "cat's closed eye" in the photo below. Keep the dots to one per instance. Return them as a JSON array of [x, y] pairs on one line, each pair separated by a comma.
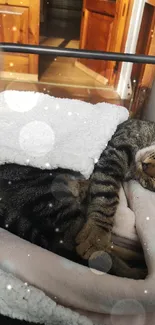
[[148, 166]]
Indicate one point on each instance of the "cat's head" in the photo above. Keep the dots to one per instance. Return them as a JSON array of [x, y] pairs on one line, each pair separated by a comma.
[[145, 160], [145, 167]]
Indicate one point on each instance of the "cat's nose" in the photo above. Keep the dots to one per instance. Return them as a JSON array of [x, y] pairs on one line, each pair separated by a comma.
[[145, 166]]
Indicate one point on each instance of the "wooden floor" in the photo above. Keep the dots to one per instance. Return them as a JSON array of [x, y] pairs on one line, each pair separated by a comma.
[[64, 79], [63, 70]]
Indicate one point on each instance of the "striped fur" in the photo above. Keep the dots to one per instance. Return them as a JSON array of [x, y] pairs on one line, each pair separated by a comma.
[[116, 164], [46, 208], [113, 168], [49, 208]]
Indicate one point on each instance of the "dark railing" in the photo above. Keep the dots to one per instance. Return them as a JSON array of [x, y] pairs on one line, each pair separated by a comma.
[[75, 53]]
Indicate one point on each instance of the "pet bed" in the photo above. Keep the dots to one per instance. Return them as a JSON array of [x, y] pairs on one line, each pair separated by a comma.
[[73, 294], [37, 285]]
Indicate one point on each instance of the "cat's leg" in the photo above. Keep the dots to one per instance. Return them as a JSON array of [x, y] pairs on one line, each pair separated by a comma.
[[122, 269], [103, 201], [112, 264]]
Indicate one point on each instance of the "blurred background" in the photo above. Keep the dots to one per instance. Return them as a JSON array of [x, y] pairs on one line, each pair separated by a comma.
[[107, 25]]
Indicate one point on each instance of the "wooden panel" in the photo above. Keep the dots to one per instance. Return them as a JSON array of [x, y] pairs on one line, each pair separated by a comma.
[[107, 27], [97, 38], [98, 31], [13, 29], [13, 24], [151, 2], [105, 7], [16, 63], [20, 3], [20, 23]]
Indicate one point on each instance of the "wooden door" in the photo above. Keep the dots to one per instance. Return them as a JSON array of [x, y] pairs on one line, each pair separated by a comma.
[[14, 22], [19, 23], [102, 28], [144, 74], [99, 28]]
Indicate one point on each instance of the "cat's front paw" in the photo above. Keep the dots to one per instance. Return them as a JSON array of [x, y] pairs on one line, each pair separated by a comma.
[[92, 238], [146, 181], [143, 182]]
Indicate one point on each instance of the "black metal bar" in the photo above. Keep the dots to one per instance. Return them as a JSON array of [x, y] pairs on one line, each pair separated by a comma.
[[74, 53]]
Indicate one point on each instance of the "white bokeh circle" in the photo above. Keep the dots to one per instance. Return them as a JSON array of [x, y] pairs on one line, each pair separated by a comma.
[[37, 138], [126, 307], [100, 262], [23, 102], [8, 266], [58, 187]]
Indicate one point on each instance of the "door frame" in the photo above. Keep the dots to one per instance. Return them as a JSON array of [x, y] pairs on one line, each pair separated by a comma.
[[123, 83], [118, 37], [124, 41], [144, 74]]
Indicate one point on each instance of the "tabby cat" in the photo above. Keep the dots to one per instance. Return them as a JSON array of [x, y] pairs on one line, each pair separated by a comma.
[[52, 208], [116, 164]]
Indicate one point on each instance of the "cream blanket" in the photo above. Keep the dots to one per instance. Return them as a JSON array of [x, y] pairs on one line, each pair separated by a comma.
[[48, 132], [103, 298]]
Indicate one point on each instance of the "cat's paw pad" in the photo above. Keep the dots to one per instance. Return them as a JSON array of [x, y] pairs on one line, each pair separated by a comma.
[[92, 238]]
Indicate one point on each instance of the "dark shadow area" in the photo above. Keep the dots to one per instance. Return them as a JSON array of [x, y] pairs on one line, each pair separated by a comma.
[[62, 18], [4, 320], [45, 61]]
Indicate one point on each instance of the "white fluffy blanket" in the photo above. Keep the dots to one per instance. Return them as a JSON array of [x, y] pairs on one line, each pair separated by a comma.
[[48, 132]]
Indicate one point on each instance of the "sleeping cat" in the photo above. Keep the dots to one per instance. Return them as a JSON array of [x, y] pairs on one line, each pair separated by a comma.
[[116, 164], [52, 208]]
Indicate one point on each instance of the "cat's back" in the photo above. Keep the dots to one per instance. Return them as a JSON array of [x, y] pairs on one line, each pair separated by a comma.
[[139, 133]]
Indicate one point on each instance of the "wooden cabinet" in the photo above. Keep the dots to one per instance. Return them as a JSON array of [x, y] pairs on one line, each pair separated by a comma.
[[97, 36], [102, 29], [19, 23], [14, 24]]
